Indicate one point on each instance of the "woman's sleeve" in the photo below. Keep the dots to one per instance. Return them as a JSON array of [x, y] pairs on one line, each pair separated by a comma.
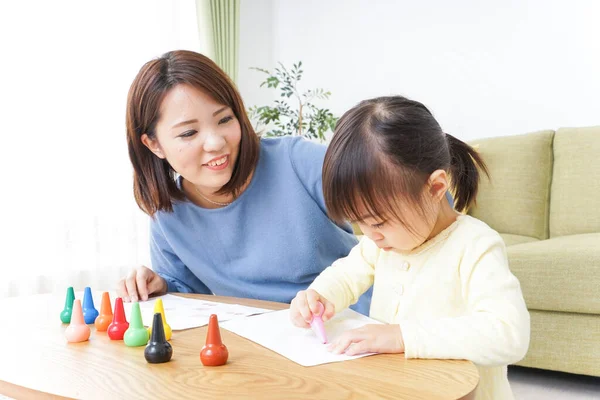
[[166, 264], [307, 161]]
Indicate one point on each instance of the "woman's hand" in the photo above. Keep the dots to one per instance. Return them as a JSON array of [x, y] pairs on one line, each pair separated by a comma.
[[141, 283], [371, 338], [305, 305]]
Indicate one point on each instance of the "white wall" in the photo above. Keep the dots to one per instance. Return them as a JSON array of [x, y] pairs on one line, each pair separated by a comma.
[[68, 214], [257, 22], [483, 68]]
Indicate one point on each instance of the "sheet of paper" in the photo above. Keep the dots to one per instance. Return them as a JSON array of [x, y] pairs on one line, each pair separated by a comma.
[[181, 312], [184, 313], [275, 332]]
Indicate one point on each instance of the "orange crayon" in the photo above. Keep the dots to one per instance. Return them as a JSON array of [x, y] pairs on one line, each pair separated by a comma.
[[106, 315], [214, 352]]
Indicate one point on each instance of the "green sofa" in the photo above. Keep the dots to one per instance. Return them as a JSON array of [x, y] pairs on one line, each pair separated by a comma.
[[544, 199]]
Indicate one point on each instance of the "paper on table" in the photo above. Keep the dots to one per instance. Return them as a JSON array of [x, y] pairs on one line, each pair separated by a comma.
[[275, 332], [185, 313], [181, 312]]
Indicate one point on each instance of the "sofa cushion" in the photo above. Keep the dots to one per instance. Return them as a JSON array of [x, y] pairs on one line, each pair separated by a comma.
[[559, 274], [575, 192], [510, 240], [515, 200], [565, 342]]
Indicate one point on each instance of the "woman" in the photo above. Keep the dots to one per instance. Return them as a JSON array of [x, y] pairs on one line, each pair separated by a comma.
[[232, 214]]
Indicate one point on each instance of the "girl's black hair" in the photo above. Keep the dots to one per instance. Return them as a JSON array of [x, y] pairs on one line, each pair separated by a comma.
[[384, 150]]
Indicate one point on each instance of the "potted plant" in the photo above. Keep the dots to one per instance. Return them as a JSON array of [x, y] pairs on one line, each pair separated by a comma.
[[295, 112]]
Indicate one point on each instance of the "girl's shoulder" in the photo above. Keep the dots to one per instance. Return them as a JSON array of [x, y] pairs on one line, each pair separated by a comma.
[[474, 232], [475, 226]]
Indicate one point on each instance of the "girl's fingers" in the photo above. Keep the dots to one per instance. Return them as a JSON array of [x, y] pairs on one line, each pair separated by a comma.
[[302, 306], [299, 321], [312, 298], [360, 347], [295, 316], [340, 345], [345, 340], [329, 311]]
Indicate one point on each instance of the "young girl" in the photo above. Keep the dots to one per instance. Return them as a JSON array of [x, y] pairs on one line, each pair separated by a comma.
[[441, 281]]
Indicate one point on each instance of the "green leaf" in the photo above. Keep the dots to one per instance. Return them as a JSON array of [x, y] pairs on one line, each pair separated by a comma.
[[284, 117], [261, 70]]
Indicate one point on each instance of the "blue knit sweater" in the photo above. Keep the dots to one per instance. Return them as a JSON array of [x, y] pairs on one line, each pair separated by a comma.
[[268, 244]]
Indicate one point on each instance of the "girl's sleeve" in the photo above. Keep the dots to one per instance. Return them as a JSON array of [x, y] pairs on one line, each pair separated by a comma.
[[348, 278], [166, 264], [496, 329]]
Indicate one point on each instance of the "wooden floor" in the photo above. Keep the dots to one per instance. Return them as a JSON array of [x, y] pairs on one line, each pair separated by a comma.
[[537, 384]]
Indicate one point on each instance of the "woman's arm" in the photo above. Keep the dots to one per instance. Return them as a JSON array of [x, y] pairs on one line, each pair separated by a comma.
[[307, 161], [166, 264]]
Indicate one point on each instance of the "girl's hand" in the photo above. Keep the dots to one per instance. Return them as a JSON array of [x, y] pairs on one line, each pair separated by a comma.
[[371, 338], [305, 305], [141, 283]]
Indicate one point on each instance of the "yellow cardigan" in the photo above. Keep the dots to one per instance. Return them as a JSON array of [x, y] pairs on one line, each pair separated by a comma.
[[454, 297]]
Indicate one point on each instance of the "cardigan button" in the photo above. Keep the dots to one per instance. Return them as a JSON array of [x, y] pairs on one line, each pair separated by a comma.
[[399, 290]]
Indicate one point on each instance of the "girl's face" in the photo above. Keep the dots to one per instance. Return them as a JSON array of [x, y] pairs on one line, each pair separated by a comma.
[[391, 235], [199, 137], [417, 227]]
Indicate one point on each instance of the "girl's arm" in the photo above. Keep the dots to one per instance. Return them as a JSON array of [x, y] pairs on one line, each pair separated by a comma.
[[166, 264], [496, 330], [348, 278]]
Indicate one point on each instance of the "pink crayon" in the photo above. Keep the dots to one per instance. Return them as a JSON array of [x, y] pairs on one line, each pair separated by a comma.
[[317, 324], [77, 331]]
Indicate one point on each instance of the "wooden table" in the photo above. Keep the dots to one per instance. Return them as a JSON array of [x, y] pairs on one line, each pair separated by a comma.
[[37, 362]]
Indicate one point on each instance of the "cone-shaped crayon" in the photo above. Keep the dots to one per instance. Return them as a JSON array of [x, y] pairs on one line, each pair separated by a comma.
[[77, 331], [65, 315], [158, 308], [158, 349], [119, 324], [136, 335], [106, 315], [89, 312], [214, 352]]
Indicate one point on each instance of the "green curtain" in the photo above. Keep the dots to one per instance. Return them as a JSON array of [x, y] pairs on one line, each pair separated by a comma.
[[226, 34]]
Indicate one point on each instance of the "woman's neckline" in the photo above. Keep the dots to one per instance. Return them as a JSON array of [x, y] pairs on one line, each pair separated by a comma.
[[235, 202]]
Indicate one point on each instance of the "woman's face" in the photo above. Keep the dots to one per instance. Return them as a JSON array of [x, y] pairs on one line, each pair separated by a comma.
[[199, 137]]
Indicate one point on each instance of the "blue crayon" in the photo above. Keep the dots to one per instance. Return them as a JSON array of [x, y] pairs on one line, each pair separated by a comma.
[[89, 312]]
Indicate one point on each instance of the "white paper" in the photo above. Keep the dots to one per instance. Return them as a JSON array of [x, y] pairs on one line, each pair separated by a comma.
[[181, 312], [276, 332], [184, 313]]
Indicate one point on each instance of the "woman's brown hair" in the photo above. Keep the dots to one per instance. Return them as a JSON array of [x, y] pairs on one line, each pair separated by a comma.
[[383, 151], [154, 185]]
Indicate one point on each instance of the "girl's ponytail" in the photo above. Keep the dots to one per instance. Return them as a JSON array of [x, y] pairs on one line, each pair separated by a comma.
[[465, 164]]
